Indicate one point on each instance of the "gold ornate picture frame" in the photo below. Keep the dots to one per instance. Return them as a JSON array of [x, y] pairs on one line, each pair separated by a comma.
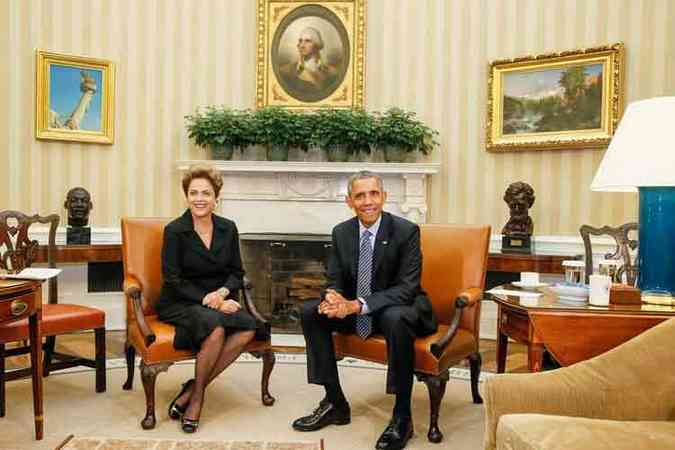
[[572, 99], [74, 98], [310, 55]]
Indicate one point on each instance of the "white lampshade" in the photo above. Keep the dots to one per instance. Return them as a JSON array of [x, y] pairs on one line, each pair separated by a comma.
[[642, 151]]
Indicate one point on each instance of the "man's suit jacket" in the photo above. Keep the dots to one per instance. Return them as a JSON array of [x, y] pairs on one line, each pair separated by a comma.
[[397, 267]]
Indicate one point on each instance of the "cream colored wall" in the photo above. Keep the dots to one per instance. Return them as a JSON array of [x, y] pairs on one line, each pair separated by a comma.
[[430, 56]]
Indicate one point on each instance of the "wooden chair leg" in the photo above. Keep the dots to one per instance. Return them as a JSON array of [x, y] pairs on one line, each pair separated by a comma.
[[149, 375], [436, 386], [2, 380], [99, 344], [475, 362], [268, 364], [130, 352], [49, 346]]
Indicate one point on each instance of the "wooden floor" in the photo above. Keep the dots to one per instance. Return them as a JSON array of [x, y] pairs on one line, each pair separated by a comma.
[[83, 344]]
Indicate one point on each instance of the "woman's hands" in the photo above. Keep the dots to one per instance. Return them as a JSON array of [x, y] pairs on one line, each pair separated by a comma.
[[215, 300], [230, 307]]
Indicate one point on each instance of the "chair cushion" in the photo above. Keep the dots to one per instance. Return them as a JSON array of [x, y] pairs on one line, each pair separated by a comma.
[[162, 349], [542, 432], [56, 319], [375, 349]]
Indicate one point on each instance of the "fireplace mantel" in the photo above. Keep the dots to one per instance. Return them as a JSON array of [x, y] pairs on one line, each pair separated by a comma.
[[308, 197]]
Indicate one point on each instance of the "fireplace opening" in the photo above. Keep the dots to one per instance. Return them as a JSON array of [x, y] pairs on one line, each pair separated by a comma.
[[286, 270]]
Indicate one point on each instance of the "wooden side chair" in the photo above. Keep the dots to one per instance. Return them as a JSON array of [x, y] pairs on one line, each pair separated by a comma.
[[18, 251], [453, 275], [625, 244], [146, 334]]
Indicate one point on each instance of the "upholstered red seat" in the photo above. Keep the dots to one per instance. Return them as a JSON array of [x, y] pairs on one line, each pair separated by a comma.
[[56, 319], [17, 252]]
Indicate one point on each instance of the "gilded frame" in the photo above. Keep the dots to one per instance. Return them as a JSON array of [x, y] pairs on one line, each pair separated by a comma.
[[600, 125], [59, 114], [339, 83]]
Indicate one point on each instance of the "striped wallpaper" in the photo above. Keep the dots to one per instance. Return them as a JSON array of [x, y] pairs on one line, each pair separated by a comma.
[[427, 55]]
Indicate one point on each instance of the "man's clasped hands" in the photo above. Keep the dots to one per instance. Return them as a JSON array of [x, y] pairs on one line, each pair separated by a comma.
[[335, 306]]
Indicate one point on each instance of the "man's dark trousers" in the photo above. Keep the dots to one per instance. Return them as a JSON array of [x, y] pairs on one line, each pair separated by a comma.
[[396, 323]]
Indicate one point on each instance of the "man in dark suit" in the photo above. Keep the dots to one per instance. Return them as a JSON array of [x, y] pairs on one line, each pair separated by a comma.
[[373, 287]]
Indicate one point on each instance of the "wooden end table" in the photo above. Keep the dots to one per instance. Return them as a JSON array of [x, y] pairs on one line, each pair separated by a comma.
[[570, 332], [20, 299]]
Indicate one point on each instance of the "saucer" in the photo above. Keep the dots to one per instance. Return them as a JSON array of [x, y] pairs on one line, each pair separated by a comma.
[[572, 300], [570, 290], [528, 286]]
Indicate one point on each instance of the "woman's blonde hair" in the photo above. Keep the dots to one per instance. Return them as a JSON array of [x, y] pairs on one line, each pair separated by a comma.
[[205, 172]]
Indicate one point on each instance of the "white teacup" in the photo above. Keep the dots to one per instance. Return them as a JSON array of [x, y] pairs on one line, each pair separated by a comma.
[[599, 289], [529, 278]]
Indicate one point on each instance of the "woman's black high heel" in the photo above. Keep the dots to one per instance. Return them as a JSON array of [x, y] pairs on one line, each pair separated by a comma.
[[189, 425], [175, 411]]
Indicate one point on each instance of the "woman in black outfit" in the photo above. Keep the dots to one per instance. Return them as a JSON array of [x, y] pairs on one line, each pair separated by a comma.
[[202, 272]]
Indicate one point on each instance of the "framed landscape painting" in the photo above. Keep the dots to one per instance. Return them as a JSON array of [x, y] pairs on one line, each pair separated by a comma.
[[310, 54], [75, 98], [571, 99]]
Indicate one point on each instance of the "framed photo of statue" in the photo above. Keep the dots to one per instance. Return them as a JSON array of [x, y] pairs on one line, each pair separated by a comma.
[[75, 98], [571, 99], [310, 54]]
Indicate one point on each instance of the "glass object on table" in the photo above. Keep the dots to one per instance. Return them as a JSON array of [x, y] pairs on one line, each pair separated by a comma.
[[610, 267], [575, 271]]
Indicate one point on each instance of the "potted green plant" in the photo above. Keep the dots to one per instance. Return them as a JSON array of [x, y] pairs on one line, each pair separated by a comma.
[[220, 128], [342, 132], [301, 125], [276, 129], [361, 135], [399, 133]]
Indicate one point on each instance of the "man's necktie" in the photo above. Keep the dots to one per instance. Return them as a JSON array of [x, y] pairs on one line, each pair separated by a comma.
[[364, 323]]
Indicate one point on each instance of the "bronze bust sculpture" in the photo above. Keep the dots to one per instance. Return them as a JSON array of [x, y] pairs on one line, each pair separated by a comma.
[[518, 230], [78, 203]]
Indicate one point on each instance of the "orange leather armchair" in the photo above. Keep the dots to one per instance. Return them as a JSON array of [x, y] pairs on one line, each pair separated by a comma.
[[453, 275], [146, 334]]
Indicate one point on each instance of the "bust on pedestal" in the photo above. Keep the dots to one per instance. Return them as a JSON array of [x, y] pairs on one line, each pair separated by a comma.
[[78, 203], [517, 233]]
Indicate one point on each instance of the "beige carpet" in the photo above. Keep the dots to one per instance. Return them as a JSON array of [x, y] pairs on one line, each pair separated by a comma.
[[233, 411]]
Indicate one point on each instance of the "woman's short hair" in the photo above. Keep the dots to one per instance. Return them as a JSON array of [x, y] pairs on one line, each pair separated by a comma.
[[208, 173]]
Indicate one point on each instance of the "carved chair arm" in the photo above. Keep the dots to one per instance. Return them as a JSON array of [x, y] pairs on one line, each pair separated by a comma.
[[248, 301], [470, 297], [133, 291], [465, 299], [264, 331]]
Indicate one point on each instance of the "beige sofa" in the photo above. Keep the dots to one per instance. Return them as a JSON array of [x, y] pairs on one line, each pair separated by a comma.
[[622, 399]]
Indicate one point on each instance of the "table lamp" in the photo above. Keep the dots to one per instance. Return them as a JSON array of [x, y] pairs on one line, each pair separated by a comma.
[[641, 157]]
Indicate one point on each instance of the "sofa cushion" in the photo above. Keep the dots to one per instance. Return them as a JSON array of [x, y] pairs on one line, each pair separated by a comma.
[[543, 432]]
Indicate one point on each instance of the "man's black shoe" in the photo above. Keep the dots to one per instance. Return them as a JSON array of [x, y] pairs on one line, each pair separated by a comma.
[[396, 435], [325, 414]]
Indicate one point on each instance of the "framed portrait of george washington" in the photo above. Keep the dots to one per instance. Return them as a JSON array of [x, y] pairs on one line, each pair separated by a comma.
[[75, 98], [571, 99], [310, 55]]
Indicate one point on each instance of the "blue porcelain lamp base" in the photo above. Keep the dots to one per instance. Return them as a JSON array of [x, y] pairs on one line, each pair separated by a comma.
[[657, 240]]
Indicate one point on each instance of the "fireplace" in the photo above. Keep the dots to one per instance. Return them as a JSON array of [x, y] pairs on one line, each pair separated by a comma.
[[286, 270]]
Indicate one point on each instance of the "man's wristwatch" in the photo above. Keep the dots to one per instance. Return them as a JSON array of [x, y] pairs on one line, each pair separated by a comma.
[[223, 292]]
